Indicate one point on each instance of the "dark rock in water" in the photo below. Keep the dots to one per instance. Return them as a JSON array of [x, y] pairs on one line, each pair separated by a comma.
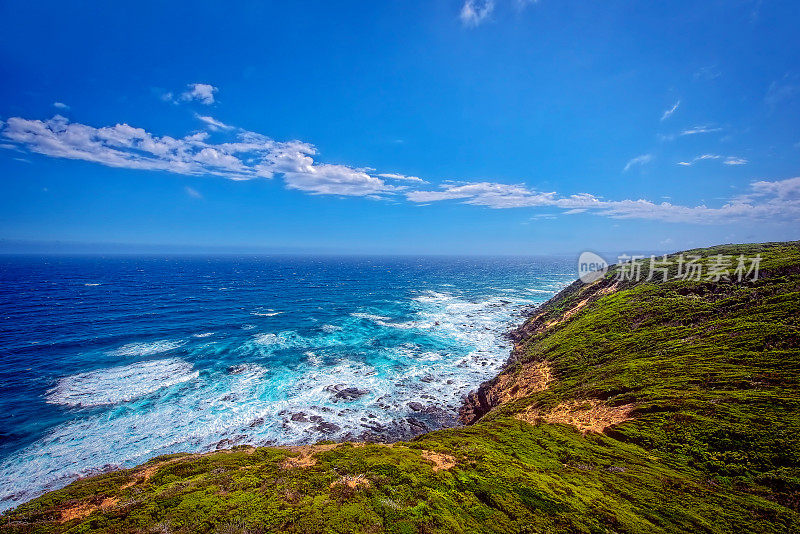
[[239, 369], [426, 378], [257, 422], [327, 428], [224, 443], [417, 423], [375, 427], [230, 397], [349, 394], [315, 419], [416, 406], [300, 416]]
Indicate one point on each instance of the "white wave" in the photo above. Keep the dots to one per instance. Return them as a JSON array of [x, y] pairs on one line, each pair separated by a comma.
[[370, 317], [313, 358], [120, 384], [281, 340], [462, 343], [203, 334], [248, 370], [432, 296], [147, 348], [266, 313], [92, 284]]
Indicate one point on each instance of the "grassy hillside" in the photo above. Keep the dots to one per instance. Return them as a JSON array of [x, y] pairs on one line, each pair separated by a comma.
[[629, 407]]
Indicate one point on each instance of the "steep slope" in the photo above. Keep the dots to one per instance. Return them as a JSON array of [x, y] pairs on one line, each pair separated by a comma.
[[627, 406]]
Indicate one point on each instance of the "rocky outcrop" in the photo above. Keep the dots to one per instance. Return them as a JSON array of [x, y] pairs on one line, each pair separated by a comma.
[[520, 378], [520, 382]]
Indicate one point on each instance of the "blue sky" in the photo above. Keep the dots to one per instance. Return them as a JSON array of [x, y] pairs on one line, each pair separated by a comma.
[[512, 126]]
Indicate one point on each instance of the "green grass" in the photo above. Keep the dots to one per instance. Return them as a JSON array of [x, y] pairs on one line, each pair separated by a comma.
[[714, 444]]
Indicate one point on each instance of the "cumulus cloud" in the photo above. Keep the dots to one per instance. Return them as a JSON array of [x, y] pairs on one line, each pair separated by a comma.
[[60, 105], [201, 92], [638, 160], [668, 113], [249, 155], [125, 146], [475, 12], [337, 180]]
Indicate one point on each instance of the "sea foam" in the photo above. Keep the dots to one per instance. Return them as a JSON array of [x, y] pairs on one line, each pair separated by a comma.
[[119, 384]]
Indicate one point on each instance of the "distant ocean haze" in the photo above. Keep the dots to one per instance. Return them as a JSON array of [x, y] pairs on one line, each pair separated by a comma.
[[107, 362]]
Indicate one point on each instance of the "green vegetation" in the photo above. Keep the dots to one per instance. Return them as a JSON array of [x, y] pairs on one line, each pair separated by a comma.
[[709, 369]]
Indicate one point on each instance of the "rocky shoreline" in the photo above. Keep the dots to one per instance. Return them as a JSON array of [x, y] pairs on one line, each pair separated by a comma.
[[516, 378]]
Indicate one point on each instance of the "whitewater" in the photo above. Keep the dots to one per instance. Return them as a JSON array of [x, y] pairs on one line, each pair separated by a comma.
[[110, 362]]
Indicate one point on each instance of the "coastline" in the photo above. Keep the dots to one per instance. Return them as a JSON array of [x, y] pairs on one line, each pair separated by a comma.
[[615, 392]]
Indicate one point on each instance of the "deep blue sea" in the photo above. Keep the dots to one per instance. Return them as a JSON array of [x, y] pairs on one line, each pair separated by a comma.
[[107, 362]]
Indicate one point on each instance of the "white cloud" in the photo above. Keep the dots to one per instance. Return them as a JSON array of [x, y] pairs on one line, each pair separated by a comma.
[[731, 160], [395, 176], [250, 155], [782, 90], [337, 180], [698, 158], [192, 192], [212, 123], [475, 12], [60, 105], [766, 201], [668, 113], [782, 189], [202, 92], [700, 130], [638, 160]]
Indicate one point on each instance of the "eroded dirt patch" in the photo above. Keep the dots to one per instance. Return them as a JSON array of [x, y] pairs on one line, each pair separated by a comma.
[[81, 510], [532, 377], [307, 454], [351, 481], [525, 380], [440, 461], [587, 416], [567, 314]]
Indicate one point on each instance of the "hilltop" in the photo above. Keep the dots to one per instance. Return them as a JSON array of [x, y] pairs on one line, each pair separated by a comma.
[[657, 404]]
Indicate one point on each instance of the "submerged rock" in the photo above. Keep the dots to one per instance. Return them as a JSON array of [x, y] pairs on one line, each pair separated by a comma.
[[350, 394], [327, 428]]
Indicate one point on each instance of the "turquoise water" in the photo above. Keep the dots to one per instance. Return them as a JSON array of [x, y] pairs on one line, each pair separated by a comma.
[[107, 362]]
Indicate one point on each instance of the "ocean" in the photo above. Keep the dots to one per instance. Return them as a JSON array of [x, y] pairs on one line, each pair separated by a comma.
[[106, 362]]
